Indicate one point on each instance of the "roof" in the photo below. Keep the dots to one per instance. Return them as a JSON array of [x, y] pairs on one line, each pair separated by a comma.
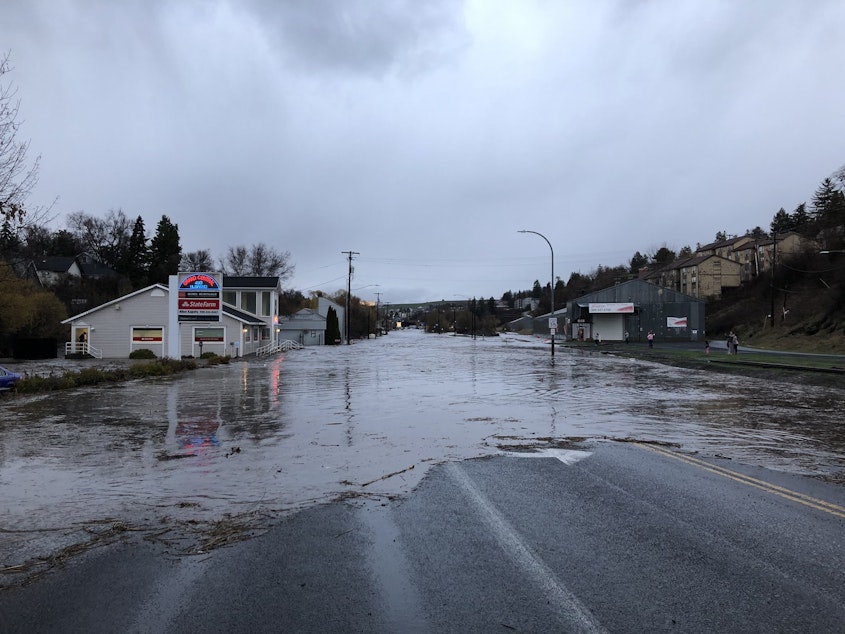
[[637, 292], [238, 281], [123, 298], [55, 263], [241, 315], [723, 243]]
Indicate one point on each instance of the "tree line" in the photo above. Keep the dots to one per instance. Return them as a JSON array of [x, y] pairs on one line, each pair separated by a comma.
[[823, 222]]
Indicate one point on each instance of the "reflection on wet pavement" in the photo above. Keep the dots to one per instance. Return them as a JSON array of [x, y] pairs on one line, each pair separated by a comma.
[[270, 435]]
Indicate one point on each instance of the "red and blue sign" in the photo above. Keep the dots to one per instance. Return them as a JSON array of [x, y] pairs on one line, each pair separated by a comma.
[[199, 298]]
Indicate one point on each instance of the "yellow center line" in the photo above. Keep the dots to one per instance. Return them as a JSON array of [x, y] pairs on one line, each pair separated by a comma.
[[788, 494]]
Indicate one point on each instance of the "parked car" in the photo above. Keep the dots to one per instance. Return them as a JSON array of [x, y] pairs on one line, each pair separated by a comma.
[[8, 378]]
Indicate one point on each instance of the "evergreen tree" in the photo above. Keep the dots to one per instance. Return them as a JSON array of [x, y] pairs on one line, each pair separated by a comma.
[[332, 327], [664, 255], [135, 263], [782, 222], [638, 261], [165, 251], [800, 217]]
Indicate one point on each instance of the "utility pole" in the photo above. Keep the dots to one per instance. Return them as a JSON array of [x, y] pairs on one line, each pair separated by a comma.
[[349, 291], [378, 323], [774, 261]]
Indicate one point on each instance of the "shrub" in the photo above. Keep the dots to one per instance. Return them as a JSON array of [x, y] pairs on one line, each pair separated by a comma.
[[142, 353], [96, 376]]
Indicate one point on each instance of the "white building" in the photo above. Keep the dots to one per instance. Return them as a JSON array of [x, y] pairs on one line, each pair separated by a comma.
[[242, 320]]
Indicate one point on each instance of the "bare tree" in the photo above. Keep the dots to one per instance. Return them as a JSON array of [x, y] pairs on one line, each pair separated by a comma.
[[106, 238], [17, 176], [197, 261], [259, 260]]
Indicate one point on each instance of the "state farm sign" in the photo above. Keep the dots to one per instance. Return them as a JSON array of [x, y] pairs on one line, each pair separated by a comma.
[[199, 297], [199, 304]]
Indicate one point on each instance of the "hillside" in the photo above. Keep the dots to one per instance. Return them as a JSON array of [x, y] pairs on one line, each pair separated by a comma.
[[809, 308]]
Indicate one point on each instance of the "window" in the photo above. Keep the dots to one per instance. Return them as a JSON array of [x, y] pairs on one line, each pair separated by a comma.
[[154, 335], [230, 297], [248, 302], [265, 303], [209, 334]]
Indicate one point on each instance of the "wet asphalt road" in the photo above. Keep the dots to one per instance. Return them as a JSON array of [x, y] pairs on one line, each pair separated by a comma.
[[602, 536]]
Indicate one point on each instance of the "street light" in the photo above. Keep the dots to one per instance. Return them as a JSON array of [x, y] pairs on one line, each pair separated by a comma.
[[552, 285]]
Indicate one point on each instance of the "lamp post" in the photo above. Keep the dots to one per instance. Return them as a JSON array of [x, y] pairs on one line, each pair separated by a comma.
[[552, 285]]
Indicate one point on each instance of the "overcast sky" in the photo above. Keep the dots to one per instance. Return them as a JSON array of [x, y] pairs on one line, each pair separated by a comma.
[[423, 135]]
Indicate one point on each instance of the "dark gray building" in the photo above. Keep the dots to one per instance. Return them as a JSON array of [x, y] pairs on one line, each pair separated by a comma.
[[636, 307]]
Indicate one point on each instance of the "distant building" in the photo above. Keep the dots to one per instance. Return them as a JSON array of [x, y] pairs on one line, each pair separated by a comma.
[[636, 307], [53, 270]]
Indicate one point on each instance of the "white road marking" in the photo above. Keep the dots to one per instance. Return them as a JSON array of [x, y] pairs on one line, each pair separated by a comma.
[[566, 456], [570, 611]]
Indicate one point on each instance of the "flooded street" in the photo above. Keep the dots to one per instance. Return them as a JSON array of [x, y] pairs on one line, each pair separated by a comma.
[[268, 435]]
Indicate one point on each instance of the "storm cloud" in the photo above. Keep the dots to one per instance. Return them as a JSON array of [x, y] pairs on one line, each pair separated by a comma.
[[424, 135]]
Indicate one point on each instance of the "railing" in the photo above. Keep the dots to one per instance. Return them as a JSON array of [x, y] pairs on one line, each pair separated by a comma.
[[280, 346], [84, 348]]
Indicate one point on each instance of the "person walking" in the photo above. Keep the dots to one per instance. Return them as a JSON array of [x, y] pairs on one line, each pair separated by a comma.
[[650, 338]]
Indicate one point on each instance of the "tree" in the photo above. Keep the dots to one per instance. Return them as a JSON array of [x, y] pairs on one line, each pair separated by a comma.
[[332, 327], [781, 222], [290, 302], [107, 238], [17, 176], [136, 261], [64, 243], [721, 236], [197, 261], [663, 256], [800, 217], [685, 252], [638, 261], [165, 251], [537, 290], [258, 260], [26, 310]]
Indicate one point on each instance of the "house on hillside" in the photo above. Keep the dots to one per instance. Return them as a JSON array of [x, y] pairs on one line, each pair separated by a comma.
[[636, 307], [727, 249], [54, 270], [700, 276]]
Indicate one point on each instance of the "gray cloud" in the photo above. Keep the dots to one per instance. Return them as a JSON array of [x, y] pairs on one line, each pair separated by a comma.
[[423, 135]]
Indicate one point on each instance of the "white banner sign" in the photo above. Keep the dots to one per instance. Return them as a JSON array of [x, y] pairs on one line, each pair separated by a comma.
[[676, 322], [612, 308]]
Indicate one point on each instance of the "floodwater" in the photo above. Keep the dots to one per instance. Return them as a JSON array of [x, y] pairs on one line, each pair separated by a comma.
[[264, 436]]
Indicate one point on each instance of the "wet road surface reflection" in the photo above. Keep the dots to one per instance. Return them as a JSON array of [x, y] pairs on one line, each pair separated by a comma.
[[273, 434]]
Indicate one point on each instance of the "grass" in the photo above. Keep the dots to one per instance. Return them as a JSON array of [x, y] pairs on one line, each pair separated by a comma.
[[816, 370], [96, 376]]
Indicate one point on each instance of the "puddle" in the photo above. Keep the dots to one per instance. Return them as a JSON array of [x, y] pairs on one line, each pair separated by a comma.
[[260, 437]]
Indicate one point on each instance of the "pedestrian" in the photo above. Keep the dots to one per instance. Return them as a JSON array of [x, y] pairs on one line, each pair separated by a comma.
[[650, 338], [597, 338], [735, 344], [627, 338], [707, 348], [729, 341]]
